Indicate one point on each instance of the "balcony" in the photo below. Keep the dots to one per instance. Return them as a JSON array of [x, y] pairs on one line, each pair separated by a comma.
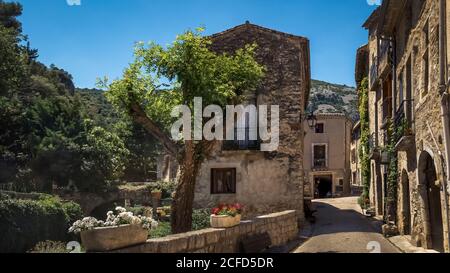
[[243, 145], [405, 128], [385, 57], [320, 163]]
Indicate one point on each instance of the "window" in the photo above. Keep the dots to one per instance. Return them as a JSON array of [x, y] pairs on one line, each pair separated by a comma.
[[353, 156], [320, 128], [320, 156], [426, 61], [223, 181], [426, 74], [401, 87], [249, 131]]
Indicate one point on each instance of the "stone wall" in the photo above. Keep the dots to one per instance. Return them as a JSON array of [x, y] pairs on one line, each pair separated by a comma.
[[282, 228]]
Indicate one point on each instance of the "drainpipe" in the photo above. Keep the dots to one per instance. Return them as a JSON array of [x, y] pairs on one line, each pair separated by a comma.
[[444, 101]]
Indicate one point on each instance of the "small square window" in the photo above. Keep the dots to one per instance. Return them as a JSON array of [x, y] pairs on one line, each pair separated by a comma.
[[320, 129], [223, 181]]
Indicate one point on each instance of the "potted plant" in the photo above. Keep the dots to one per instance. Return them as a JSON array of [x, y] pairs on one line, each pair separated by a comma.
[[156, 194], [226, 216], [120, 230]]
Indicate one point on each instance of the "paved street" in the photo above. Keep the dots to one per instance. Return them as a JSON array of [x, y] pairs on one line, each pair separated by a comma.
[[341, 228]]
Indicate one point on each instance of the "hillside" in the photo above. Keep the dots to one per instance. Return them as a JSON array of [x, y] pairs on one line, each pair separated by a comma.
[[325, 98], [333, 98]]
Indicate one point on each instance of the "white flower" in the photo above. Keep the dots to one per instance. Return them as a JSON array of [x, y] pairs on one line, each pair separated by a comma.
[[120, 209], [123, 218]]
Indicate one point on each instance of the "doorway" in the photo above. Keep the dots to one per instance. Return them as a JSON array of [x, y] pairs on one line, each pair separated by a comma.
[[323, 186], [428, 178], [406, 204]]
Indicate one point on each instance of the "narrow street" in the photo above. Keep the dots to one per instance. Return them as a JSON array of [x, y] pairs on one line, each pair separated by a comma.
[[341, 228]]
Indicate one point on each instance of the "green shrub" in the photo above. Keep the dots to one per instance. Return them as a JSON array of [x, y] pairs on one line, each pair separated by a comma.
[[24, 223], [166, 187], [50, 247], [162, 230], [201, 219]]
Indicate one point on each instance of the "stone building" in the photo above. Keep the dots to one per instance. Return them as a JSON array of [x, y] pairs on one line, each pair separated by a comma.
[[327, 157], [406, 88], [238, 171], [355, 163]]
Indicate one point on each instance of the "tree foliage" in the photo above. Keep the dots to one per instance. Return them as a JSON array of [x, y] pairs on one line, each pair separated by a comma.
[[190, 69], [46, 136]]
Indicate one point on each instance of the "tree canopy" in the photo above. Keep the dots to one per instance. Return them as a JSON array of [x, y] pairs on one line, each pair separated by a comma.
[[189, 69], [49, 135]]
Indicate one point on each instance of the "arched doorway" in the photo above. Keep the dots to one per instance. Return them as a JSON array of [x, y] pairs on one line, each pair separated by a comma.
[[429, 180], [406, 203]]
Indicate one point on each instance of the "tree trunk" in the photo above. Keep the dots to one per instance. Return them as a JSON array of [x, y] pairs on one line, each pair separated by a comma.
[[182, 205], [192, 158]]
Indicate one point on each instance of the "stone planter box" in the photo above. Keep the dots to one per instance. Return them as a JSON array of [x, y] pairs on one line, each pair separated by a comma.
[[220, 221], [112, 238]]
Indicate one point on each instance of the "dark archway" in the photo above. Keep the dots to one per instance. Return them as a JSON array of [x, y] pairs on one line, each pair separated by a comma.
[[324, 186], [406, 204], [428, 178]]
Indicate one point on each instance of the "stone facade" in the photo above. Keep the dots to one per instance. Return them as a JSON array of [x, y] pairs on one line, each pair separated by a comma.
[[335, 136], [404, 88], [266, 181], [355, 162], [282, 228]]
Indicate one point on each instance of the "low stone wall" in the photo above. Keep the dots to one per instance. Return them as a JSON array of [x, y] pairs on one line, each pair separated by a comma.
[[282, 228]]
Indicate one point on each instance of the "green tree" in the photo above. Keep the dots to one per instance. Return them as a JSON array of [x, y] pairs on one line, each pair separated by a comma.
[[44, 138], [8, 13], [193, 70]]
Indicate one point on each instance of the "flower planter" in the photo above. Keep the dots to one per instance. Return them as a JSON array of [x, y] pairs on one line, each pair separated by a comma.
[[112, 238], [157, 195], [223, 221]]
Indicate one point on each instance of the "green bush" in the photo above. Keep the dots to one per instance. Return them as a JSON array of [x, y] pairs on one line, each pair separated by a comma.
[[166, 187], [50, 247], [162, 230], [24, 223], [201, 219]]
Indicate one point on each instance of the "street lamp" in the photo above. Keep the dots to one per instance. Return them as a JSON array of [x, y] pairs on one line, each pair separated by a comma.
[[312, 120]]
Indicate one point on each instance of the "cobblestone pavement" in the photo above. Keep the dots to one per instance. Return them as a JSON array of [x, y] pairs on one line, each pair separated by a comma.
[[341, 228]]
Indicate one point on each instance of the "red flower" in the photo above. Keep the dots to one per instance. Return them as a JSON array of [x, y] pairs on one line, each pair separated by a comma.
[[215, 211], [238, 206]]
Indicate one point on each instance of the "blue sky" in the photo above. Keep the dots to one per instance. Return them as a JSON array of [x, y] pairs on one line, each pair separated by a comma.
[[96, 38]]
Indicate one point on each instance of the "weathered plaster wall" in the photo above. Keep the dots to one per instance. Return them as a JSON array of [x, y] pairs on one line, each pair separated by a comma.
[[337, 138]]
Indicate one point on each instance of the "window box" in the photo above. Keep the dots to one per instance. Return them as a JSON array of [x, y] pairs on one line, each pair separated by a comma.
[[224, 221]]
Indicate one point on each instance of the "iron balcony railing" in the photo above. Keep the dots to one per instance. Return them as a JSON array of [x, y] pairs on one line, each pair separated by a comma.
[[242, 145], [320, 163]]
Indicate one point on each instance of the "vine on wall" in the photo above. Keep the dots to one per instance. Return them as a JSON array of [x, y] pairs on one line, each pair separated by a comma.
[[364, 149], [394, 134]]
